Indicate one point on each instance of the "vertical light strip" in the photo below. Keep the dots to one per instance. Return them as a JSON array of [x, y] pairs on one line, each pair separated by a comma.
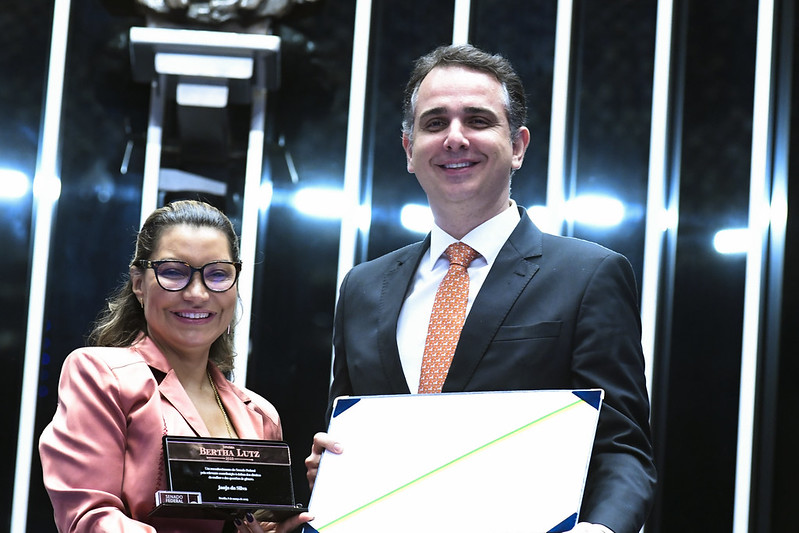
[[152, 152], [249, 226], [45, 191], [759, 213], [556, 199], [656, 211], [352, 163], [460, 25]]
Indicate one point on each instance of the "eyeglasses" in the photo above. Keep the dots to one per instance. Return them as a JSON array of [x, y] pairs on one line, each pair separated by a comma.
[[174, 276]]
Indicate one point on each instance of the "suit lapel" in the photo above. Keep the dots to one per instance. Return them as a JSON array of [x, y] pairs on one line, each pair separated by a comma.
[[395, 286], [509, 275]]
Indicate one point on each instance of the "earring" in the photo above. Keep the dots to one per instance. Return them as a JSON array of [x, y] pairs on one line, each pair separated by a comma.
[[228, 329], [141, 302]]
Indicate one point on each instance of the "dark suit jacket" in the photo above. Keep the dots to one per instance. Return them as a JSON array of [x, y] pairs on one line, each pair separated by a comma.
[[553, 313]]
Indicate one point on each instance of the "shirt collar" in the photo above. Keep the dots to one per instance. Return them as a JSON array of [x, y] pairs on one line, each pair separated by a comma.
[[487, 238]]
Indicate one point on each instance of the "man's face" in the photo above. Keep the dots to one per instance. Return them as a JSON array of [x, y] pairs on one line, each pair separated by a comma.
[[461, 150]]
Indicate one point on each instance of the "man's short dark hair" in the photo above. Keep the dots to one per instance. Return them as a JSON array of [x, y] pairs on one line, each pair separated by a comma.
[[470, 57]]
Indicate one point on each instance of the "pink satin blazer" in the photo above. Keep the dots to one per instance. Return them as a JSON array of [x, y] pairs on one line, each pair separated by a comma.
[[101, 454]]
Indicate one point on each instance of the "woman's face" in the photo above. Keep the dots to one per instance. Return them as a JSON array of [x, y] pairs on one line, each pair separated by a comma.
[[186, 322]]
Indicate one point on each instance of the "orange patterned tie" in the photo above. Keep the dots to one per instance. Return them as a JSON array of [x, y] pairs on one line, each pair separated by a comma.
[[446, 320]]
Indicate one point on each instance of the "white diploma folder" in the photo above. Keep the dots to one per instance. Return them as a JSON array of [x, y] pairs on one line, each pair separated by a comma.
[[505, 462]]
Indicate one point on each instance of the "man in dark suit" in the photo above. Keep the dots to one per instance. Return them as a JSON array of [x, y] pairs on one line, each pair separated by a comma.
[[544, 312]]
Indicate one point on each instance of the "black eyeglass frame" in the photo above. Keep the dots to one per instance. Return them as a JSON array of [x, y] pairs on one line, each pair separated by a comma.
[[146, 263]]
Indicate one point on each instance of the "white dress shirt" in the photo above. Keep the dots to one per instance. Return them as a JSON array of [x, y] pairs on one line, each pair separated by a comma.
[[487, 239]]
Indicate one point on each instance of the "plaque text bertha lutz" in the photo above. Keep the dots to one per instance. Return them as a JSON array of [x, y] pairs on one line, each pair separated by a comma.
[[232, 477]]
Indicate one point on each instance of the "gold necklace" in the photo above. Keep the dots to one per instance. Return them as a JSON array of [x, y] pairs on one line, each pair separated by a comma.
[[221, 407]]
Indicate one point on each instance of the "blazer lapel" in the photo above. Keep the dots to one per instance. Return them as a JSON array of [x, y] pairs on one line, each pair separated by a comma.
[[169, 385], [509, 275], [248, 423], [396, 282], [171, 389]]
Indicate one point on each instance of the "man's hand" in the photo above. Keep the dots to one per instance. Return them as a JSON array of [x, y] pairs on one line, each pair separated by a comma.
[[321, 442]]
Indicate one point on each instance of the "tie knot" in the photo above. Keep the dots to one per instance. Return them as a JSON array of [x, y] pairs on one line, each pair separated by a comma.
[[460, 254]]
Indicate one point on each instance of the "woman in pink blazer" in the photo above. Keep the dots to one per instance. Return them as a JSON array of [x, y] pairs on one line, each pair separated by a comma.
[[157, 365]]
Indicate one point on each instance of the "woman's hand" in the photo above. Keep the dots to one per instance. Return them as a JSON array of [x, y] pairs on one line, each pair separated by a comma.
[[250, 525]]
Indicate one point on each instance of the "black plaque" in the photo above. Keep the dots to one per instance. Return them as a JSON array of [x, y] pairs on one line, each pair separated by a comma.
[[225, 478]]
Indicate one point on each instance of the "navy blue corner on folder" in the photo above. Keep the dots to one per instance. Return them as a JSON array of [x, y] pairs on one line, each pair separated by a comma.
[[310, 529], [342, 404], [566, 525], [591, 397]]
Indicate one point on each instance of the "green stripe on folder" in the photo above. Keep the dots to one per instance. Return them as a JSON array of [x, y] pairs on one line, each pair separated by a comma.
[[445, 465]]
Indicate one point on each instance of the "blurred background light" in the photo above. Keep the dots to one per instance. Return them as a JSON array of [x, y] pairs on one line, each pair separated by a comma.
[[670, 219], [416, 217], [319, 202], [46, 188], [266, 193], [595, 210], [731, 241], [14, 184], [364, 218], [543, 218]]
